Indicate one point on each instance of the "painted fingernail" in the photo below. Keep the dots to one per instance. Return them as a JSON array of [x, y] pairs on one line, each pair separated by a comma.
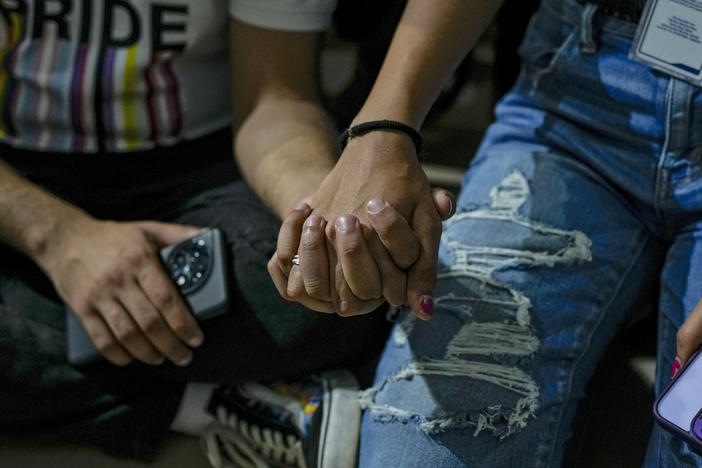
[[376, 205], [302, 206], [676, 368], [313, 222], [346, 223], [426, 303]]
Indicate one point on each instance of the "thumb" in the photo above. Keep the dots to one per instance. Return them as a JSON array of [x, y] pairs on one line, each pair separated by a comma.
[[689, 338], [163, 234], [444, 202]]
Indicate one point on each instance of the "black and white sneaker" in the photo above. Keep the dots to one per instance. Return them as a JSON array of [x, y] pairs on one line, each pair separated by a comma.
[[314, 423]]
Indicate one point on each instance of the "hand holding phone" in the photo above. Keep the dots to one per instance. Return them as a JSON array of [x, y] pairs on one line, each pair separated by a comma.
[[196, 266], [678, 408]]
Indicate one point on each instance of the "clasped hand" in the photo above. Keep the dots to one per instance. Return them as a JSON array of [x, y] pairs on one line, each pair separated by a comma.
[[370, 233]]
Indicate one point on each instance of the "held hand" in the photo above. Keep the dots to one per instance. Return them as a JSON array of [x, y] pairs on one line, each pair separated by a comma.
[[689, 338], [309, 283], [380, 165], [110, 274]]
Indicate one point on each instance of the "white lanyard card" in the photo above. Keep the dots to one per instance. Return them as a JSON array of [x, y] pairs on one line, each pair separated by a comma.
[[668, 38]]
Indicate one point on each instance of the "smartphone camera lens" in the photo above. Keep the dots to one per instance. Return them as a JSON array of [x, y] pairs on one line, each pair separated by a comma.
[[190, 264], [697, 427]]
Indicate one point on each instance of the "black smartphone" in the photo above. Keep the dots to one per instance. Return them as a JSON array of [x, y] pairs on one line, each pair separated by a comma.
[[197, 266]]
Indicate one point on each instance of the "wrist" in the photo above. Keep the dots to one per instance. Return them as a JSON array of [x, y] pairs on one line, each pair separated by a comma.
[[382, 147], [361, 129], [44, 241]]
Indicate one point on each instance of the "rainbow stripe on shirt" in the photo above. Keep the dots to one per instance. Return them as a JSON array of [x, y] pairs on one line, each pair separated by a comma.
[[111, 75]]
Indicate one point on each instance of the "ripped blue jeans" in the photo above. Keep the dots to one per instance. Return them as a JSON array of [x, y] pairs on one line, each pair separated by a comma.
[[585, 196]]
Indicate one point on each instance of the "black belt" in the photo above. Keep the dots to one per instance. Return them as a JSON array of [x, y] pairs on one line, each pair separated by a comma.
[[628, 10]]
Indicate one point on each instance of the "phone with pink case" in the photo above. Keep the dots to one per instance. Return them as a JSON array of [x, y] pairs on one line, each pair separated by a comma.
[[678, 408]]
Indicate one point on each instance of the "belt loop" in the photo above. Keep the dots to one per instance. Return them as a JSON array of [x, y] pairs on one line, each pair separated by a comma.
[[587, 41]]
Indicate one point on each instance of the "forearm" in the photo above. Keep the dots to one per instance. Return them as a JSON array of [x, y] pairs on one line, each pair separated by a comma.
[[285, 148], [32, 218], [429, 43], [285, 144]]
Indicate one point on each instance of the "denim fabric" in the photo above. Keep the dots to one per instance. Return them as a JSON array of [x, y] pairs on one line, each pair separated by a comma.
[[586, 190], [127, 411]]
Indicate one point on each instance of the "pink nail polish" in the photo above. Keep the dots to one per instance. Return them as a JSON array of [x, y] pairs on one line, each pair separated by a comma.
[[676, 367], [302, 206], [427, 305]]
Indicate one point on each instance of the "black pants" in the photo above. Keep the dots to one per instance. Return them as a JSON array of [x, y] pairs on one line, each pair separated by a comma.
[[127, 411]]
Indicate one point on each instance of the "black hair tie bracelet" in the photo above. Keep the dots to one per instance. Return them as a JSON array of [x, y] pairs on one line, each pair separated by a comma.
[[366, 127]]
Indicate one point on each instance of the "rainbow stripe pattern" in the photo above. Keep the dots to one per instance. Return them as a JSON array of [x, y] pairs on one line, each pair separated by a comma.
[[111, 75]]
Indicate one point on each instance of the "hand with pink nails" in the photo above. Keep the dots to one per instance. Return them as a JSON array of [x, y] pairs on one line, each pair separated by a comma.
[[689, 338], [356, 252]]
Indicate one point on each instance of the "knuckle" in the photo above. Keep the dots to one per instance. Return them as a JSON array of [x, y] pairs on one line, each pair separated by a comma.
[[93, 291], [113, 316], [347, 308], [367, 294], [151, 325], [285, 255], [385, 226], [395, 296], [106, 345], [135, 256], [271, 266], [293, 293], [113, 276], [314, 288], [407, 258], [162, 297], [126, 334], [180, 327], [310, 242], [351, 247], [393, 220]]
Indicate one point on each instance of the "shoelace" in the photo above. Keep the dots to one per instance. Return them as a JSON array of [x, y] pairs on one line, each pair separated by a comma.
[[239, 440], [217, 437]]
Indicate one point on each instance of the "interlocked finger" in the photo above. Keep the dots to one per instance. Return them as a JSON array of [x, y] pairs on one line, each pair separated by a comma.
[[394, 280], [281, 284], [394, 232], [314, 264], [359, 268], [289, 237]]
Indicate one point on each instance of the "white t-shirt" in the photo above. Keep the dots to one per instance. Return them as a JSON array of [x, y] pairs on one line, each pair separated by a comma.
[[125, 75]]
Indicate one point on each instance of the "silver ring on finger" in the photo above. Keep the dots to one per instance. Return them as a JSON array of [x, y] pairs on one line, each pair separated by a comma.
[[296, 260]]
